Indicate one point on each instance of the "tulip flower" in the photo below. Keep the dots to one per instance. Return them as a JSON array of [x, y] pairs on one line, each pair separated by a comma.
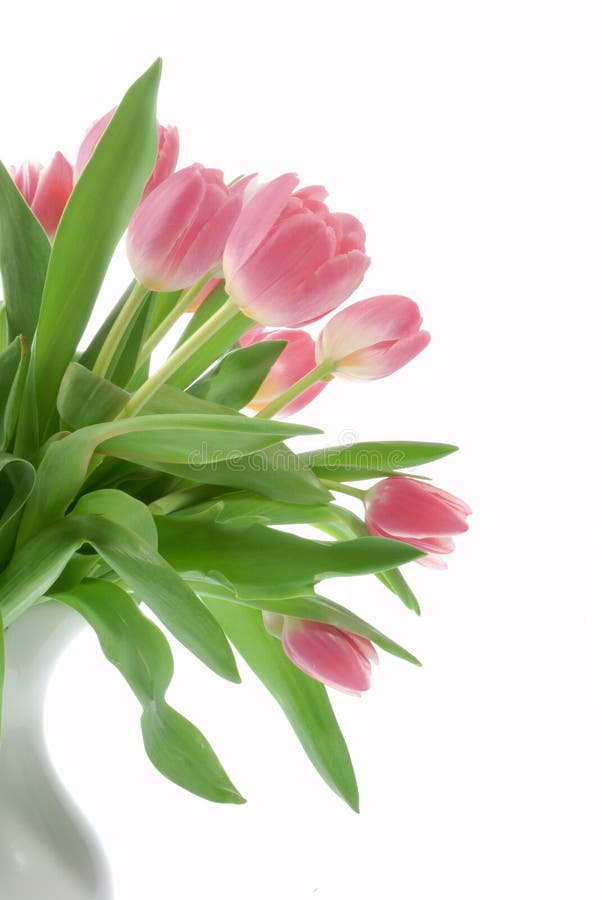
[[296, 360], [178, 233], [337, 658], [372, 338], [417, 513], [288, 259], [46, 189], [167, 151]]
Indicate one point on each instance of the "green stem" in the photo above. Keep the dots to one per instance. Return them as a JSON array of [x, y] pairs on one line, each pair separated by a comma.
[[128, 311], [170, 319], [343, 488], [322, 372], [178, 358]]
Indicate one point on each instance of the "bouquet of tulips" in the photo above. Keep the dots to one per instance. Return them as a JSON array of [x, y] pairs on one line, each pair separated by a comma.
[[127, 486]]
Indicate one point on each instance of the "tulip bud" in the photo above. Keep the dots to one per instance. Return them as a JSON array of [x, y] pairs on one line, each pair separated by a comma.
[[417, 513], [46, 189], [296, 360], [335, 657], [289, 260], [178, 233], [372, 338], [168, 148]]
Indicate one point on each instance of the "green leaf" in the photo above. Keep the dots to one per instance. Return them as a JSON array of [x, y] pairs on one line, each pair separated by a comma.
[[14, 400], [121, 508], [24, 253], [259, 562], [94, 219], [37, 564], [239, 376], [184, 439], [175, 746], [86, 399], [2, 668], [241, 509], [375, 459], [142, 655], [17, 478], [303, 700]]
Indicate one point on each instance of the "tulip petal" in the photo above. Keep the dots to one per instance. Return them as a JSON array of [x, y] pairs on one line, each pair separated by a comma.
[[327, 654], [328, 287], [256, 219], [53, 191], [383, 359]]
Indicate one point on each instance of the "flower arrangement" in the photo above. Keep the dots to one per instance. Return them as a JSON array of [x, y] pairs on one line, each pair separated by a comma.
[[125, 486]]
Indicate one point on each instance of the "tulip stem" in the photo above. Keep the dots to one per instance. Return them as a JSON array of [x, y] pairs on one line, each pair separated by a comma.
[[322, 372], [343, 488], [170, 319], [179, 357], [127, 313]]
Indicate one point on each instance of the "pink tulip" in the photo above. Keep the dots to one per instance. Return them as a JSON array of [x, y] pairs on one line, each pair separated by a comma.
[[167, 151], [373, 338], [178, 233], [296, 360], [417, 513], [46, 189], [337, 658], [289, 260]]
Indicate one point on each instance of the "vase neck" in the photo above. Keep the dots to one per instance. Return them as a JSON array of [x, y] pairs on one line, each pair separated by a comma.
[[33, 644]]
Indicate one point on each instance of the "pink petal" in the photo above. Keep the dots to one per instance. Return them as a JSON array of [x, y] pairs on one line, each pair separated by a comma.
[[326, 654], [168, 149], [26, 179], [256, 219], [91, 139], [408, 509], [53, 191], [265, 286], [383, 359], [353, 234], [328, 287]]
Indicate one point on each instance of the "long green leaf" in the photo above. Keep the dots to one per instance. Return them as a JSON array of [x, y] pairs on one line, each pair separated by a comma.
[[94, 219], [142, 655], [303, 700], [186, 439], [14, 400], [17, 478], [24, 254], [241, 509], [374, 459], [85, 398], [258, 562]]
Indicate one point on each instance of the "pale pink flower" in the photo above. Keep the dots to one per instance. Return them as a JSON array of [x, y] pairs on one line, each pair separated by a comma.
[[337, 658], [289, 260], [417, 513], [46, 189], [178, 233], [373, 338]]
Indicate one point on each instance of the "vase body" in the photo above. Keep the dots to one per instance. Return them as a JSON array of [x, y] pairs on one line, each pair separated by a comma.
[[47, 850]]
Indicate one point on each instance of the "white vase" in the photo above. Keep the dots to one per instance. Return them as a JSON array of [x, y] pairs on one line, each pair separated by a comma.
[[47, 850]]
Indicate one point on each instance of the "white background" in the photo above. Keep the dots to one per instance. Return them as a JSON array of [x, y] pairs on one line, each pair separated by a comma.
[[466, 137]]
